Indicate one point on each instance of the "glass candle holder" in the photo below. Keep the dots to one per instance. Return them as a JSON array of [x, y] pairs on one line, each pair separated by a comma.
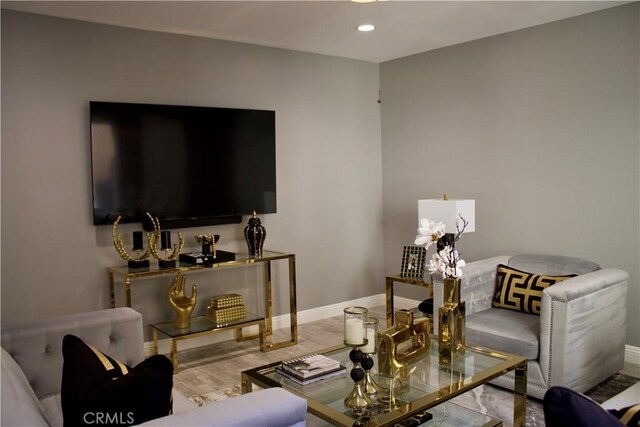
[[371, 332], [354, 329]]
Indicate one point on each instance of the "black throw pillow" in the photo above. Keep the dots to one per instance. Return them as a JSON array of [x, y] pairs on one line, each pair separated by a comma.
[[564, 407], [99, 390], [629, 416]]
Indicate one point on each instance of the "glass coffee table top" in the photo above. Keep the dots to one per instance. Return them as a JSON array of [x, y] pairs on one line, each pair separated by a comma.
[[428, 384]]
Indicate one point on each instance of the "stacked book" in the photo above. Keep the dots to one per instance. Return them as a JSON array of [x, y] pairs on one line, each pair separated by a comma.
[[311, 368], [228, 308]]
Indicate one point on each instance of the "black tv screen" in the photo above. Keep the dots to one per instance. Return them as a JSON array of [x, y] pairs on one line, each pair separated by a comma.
[[188, 166]]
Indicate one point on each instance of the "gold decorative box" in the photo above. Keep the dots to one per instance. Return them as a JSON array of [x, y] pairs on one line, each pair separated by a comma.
[[226, 315], [226, 301]]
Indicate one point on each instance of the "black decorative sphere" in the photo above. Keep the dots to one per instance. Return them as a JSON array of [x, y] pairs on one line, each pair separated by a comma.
[[357, 374], [355, 355], [367, 363]]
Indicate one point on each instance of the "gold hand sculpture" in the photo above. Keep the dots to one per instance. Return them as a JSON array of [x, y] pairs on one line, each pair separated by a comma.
[[184, 306]]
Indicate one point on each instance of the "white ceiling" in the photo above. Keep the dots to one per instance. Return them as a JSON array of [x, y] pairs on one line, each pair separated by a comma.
[[326, 27]]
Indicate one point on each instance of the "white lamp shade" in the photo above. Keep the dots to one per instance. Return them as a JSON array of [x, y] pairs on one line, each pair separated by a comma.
[[447, 211]]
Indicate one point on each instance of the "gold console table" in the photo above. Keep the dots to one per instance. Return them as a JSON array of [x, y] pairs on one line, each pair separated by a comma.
[[127, 275]]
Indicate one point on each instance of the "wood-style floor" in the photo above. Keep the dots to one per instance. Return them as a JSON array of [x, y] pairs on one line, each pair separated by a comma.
[[218, 366], [214, 367]]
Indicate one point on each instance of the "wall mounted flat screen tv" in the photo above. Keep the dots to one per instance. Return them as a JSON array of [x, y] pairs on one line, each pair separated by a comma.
[[188, 166]]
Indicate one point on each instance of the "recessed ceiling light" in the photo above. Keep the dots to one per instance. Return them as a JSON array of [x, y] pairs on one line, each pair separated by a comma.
[[366, 27]]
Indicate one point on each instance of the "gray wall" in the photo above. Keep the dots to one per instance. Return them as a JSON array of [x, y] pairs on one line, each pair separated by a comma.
[[539, 126], [328, 161]]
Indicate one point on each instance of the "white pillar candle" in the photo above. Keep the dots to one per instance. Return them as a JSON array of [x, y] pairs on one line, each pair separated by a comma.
[[371, 344], [353, 331]]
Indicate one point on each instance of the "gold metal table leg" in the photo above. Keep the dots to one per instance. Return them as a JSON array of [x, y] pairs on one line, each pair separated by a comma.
[[293, 300], [245, 384], [262, 336], [174, 354], [268, 301], [389, 302], [112, 291], [293, 306], [520, 396], [154, 338], [268, 318], [127, 289]]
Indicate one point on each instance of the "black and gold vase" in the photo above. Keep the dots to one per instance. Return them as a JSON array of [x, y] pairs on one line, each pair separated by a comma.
[[254, 234]]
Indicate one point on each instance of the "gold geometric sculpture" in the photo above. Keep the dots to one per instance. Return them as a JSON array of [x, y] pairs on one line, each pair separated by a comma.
[[166, 260], [451, 315], [184, 306], [140, 260], [402, 344]]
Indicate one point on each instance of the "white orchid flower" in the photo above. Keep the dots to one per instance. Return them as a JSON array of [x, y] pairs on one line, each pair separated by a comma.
[[435, 264], [429, 232], [447, 262]]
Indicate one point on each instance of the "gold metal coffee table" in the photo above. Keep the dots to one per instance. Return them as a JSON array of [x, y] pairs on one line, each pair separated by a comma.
[[429, 385]]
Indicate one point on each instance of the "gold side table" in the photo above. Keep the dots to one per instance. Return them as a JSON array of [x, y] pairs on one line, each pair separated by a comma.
[[407, 280]]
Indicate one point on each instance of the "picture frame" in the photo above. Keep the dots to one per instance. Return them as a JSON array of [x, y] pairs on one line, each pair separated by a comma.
[[413, 262]]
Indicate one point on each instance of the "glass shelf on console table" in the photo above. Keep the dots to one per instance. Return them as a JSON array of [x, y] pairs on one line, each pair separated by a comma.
[[409, 281], [200, 326], [242, 260]]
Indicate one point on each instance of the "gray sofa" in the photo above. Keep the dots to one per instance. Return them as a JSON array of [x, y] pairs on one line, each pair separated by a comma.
[[579, 338], [32, 374]]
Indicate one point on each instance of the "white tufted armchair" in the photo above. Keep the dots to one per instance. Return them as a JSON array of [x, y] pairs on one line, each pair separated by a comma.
[[31, 375], [579, 338]]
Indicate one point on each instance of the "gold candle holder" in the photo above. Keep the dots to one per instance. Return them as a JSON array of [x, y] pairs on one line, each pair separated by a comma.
[[357, 401], [355, 335], [138, 261], [371, 388], [168, 260]]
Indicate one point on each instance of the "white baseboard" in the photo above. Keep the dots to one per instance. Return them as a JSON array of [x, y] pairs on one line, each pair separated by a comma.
[[631, 354]]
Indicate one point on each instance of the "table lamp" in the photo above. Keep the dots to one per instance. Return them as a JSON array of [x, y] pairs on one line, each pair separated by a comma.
[[448, 211]]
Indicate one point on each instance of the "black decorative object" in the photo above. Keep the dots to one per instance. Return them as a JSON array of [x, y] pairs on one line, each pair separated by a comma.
[[138, 246], [143, 263], [165, 240], [167, 263], [199, 258], [426, 306], [137, 241], [255, 234]]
